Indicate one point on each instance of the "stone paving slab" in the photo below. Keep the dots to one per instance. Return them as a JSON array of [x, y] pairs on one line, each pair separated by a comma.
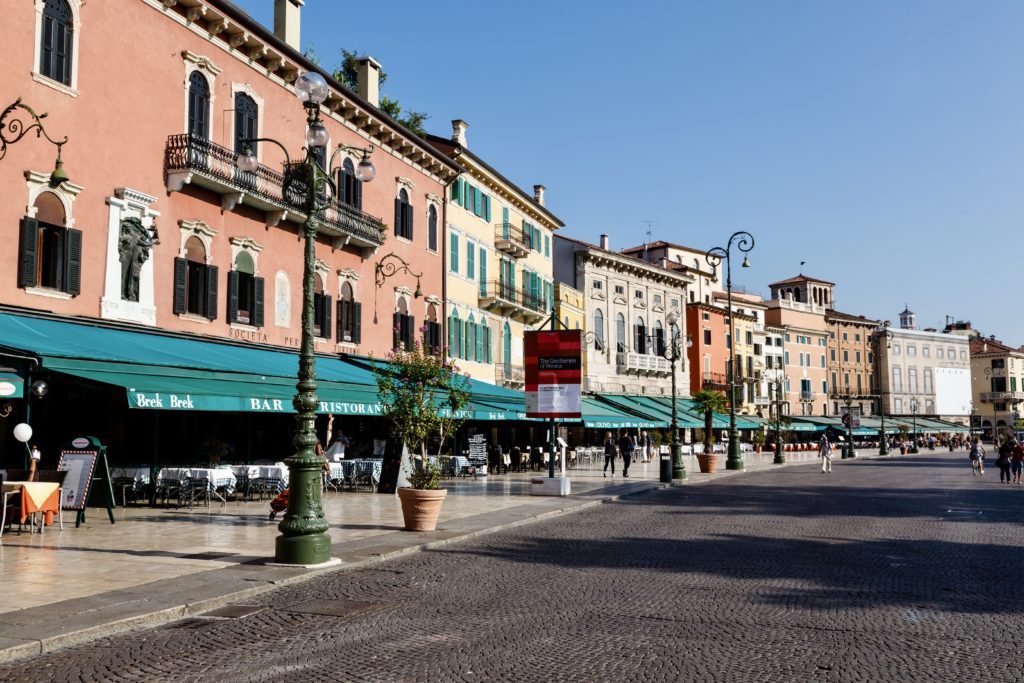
[[53, 626]]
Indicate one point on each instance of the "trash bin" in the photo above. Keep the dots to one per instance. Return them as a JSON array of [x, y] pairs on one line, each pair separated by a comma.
[[666, 469]]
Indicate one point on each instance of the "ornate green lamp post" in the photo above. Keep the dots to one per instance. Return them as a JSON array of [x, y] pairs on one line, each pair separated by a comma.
[[883, 332], [674, 352], [849, 451], [309, 186], [744, 242], [777, 384], [913, 442]]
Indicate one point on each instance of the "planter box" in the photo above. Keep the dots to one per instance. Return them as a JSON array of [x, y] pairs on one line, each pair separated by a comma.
[[549, 486]]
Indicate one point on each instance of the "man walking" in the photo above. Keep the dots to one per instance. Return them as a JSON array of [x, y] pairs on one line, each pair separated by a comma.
[[626, 447], [825, 453]]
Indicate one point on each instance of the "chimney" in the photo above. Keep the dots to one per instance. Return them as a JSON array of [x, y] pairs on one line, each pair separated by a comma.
[[368, 80], [664, 263], [538, 194], [459, 132], [604, 242], [286, 21]]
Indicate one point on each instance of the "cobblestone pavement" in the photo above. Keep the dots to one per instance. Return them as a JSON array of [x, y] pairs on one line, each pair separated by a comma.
[[903, 569]]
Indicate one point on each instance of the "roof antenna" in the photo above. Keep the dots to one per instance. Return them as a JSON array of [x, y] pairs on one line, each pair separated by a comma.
[[649, 225]]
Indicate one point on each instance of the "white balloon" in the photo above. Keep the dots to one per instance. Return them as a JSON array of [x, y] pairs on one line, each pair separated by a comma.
[[23, 432]]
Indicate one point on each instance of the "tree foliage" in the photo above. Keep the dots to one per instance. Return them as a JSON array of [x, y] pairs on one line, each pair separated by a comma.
[[709, 402], [423, 395]]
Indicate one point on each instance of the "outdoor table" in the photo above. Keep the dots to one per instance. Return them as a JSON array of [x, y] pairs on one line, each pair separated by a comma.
[[36, 496], [130, 478], [351, 469]]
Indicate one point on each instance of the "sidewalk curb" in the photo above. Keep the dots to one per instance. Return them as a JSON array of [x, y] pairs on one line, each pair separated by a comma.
[[59, 640]]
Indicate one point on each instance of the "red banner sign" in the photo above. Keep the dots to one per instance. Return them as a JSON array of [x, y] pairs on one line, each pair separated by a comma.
[[554, 365]]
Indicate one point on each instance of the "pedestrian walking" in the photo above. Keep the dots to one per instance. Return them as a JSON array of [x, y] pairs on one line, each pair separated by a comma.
[[610, 449], [626, 446], [825, 453], [1016, 459]]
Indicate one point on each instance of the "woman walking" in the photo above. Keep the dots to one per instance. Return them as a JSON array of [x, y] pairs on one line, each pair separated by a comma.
[[1016, 459], [609, 453], [626, 446]]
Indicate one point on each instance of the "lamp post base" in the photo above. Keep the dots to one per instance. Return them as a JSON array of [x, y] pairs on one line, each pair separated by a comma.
[[779, 459], [312, 549], [735, 460], [678, 468]]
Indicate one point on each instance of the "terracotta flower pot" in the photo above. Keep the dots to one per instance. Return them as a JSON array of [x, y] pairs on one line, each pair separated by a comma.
[[421, 507], [708, 462]]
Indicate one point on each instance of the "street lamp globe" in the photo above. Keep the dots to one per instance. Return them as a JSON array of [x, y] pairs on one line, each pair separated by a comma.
[[317, 135], [746, 262], [311, 87], [672, 317], [247, 161], [365, 171]]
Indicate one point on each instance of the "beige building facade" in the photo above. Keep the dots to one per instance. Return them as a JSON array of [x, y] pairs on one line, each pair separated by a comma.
[[498, 275], [997, 384], [851, 361], [798, 306]]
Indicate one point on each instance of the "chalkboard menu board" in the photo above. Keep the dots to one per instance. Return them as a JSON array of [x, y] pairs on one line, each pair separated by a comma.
[[79, 466], [478, 453]]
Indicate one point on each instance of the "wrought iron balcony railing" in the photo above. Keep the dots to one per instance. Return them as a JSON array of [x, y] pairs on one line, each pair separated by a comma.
[[516, 302], [191, 159], [507, 374], [642, 363], [511, 240]]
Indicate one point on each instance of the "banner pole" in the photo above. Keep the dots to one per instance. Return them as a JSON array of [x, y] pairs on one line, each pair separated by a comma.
[[554, 440]]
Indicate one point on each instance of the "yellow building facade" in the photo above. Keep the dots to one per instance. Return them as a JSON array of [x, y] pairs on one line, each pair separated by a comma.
[[498, 280]]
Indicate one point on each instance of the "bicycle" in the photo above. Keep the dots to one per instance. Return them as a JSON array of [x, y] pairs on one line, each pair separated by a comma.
[[978, 465]]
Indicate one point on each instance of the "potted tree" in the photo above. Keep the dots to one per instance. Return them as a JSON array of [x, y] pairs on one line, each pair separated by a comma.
[[423, 395], [708, 402], [758, 438]]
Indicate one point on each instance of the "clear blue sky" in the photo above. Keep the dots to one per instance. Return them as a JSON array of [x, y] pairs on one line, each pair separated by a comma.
[[882, 142]]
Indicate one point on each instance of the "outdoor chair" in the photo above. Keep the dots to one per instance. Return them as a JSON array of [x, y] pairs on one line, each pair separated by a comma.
[[196, 488]]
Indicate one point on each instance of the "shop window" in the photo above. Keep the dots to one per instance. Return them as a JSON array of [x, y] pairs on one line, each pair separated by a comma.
[[245, 292], [50, 255], [195, 282], [321, 310], [350, 316]]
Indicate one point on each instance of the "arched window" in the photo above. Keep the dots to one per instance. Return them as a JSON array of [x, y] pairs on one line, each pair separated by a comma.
[[640, 336], [56, 41], [405, 325], [246, 120], [620, 333], [198, 106], [350, 315], [506, 345], [659, 338], [432, 333], [245, 292], [796, 294], [432, 232], [321, 309], [470, 353], [195, 282], [50, 254], [403, 215], [350, 188]]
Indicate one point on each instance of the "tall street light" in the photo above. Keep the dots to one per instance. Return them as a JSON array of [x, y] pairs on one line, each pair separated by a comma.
[[913, 442], [995, 409], [309, 187], [883, 332], [777, 385], [849, 451], [744, 242], [673, 352]]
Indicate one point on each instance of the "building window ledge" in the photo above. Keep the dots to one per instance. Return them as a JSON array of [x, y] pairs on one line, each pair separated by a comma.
[[50, 293], [242, 327], [50, 83], [193, 318]]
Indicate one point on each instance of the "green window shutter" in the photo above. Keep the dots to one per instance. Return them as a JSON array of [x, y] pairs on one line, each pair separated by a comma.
[[451, 333], [455, 253], [73, 261], [483, 271], [232, 296], [455, 190], [487, 208], [480, 331], [180, 285], [478, 203], [28, 255], [505, 227], [547, 245], [487, 343], [467, 195], [211, 292], [470, 260]]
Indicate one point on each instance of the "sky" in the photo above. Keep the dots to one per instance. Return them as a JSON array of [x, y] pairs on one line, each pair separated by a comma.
[[881, 142]]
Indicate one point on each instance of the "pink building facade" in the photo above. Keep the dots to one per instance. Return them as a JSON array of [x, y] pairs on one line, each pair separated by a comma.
[[158, 229]]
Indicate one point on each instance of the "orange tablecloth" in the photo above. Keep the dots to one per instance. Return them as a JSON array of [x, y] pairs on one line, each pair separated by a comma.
[[36, 496]]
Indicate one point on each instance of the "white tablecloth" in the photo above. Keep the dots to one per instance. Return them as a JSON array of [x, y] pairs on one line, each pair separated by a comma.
[[220, 477], [140, 474]]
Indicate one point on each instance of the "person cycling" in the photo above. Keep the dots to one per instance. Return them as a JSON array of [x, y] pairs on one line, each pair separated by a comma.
[[977, 457]]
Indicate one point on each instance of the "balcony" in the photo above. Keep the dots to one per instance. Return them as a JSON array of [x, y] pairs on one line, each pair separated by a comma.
[[504, 299], [511, 240], [806, 395], [193, 160], [992, 396], [511, 376], [716, 379], [642, 363], [761, 401]]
